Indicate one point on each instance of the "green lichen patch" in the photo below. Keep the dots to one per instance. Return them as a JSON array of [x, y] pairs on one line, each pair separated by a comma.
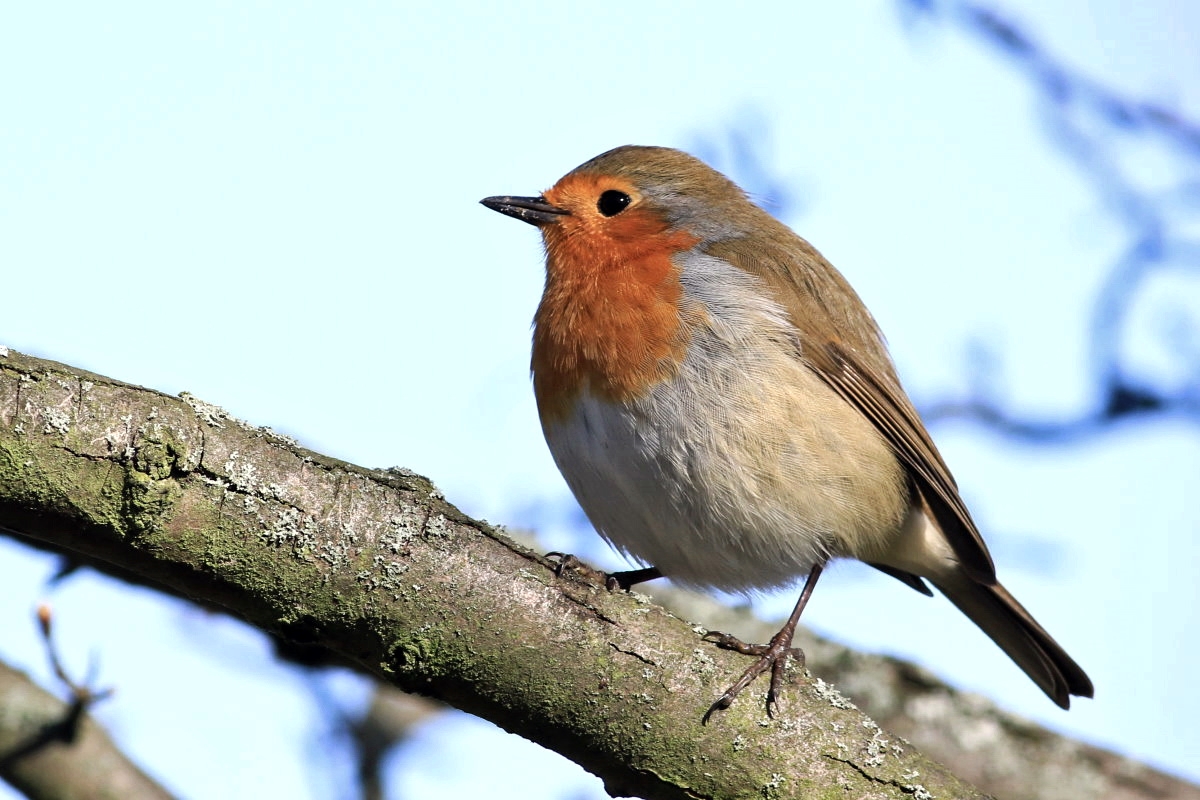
[[151, 487]]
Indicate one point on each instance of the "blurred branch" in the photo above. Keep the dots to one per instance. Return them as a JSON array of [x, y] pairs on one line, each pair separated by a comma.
[[54, 750], [357, 742], [378, 568], [1090, 123], [83, 696], [388, 722]]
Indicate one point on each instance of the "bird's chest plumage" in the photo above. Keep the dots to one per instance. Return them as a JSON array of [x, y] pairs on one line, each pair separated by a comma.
[[609, 322], [695, 438]]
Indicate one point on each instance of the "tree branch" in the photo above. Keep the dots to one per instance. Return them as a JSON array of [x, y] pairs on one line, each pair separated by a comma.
[[377, 567], [51, 749], [1001, 753]]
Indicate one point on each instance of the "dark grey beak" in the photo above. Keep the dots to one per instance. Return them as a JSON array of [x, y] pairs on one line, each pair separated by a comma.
[[534, 210]]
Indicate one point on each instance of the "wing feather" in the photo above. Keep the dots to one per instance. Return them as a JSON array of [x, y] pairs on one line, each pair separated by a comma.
[[839, 340]]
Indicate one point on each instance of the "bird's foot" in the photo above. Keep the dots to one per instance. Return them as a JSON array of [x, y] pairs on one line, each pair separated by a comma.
[[566, 561], [613, 581], [773, 655]]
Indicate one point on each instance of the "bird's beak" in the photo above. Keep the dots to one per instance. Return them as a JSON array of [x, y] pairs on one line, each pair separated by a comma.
[[534, 210]]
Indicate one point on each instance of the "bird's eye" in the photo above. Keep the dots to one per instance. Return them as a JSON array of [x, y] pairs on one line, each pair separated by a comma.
[[613, 202]]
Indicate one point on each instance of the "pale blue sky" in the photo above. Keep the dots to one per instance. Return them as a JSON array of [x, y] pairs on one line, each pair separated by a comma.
[[274, 207]]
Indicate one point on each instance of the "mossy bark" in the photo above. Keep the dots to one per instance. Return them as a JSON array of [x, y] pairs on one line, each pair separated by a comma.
[[377, 568]]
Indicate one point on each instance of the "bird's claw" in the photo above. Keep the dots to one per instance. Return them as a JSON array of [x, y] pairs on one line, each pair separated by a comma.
[[773, 656], [564, 562], [613, 581]]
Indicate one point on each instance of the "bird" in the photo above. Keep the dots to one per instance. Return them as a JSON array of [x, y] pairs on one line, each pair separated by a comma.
[[724, 408]]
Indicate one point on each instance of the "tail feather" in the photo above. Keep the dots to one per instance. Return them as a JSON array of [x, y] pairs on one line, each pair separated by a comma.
[[1000, 616]]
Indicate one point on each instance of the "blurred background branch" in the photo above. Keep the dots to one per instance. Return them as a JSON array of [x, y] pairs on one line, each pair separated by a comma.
[[1109, 137], [54, 750]]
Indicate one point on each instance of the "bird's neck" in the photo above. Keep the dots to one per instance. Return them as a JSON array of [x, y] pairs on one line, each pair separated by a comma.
[[609, 323]]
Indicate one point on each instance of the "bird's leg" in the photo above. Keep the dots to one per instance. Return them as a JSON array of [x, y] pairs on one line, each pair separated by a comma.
[[612, 580], [623, 580], [773, 655]]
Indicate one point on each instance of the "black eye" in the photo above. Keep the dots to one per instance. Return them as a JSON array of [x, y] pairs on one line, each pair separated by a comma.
[[613, 202]]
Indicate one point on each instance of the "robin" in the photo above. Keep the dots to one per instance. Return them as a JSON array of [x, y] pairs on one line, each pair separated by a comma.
[[724, 408]]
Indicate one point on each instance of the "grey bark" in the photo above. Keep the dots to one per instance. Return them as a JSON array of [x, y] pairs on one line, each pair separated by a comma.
[[1003, 754], [378, 569]]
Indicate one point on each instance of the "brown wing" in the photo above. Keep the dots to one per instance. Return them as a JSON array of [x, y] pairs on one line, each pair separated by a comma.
[[897, 420], [840, 341]]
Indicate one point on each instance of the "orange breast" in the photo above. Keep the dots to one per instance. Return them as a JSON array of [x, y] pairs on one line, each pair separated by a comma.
[[610, 319]]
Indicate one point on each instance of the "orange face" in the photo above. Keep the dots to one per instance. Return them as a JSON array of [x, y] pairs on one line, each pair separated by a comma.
[[610, 318]]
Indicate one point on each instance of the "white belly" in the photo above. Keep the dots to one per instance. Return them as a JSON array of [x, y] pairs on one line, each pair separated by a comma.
[[739, 473]]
